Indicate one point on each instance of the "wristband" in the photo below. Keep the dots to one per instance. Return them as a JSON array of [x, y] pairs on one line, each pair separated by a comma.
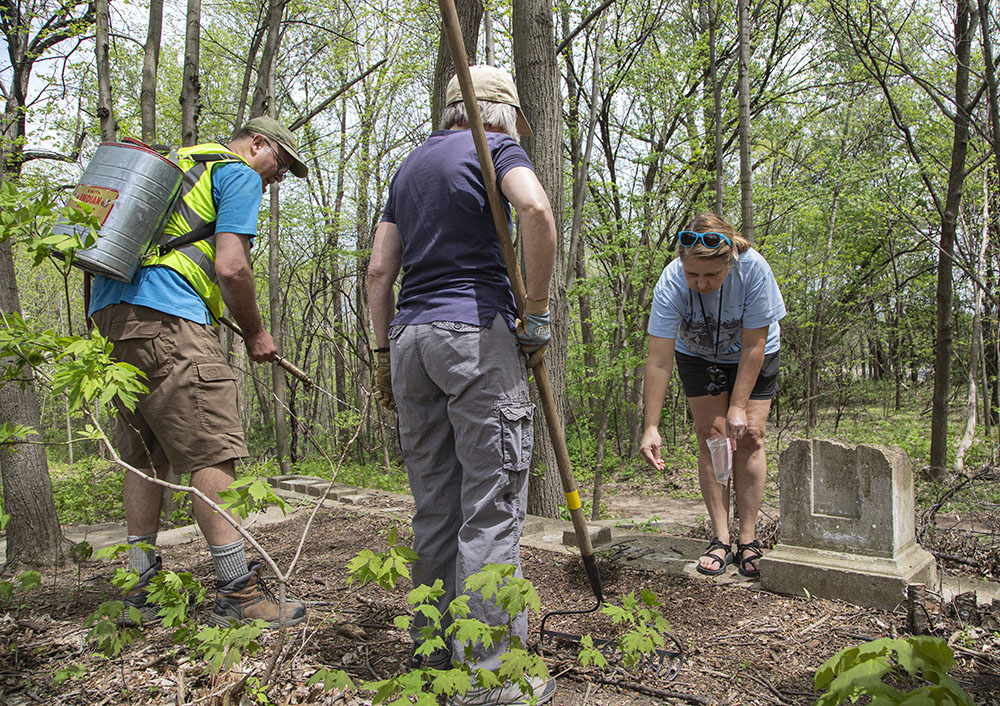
[[381, 349]]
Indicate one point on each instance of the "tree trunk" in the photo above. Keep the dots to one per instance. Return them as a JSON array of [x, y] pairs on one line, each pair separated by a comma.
[[34, 538], [538, 88], [812, 391], [191, 86], [470, 14], [743, 91], [956, 177], [279, 388], [105, 103], [264, 87], [976, 350], [713, 70], [150, 69]]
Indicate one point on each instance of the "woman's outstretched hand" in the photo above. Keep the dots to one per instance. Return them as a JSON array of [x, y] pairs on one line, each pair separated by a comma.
[[650, 448]]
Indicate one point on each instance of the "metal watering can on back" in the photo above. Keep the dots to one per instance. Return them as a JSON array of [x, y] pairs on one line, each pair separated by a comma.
[[131, 189]]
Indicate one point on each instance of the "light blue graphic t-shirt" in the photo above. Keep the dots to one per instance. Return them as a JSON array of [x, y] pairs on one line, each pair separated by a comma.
[[750, 299], [236, 191]]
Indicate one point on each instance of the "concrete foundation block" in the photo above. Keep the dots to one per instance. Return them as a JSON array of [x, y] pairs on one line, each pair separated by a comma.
[[598, 535], [874, 582]]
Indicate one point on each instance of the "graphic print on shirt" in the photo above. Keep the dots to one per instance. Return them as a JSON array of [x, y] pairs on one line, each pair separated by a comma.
[[698, 332]]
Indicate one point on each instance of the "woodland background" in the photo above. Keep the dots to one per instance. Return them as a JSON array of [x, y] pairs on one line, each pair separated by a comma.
[[856, 143]]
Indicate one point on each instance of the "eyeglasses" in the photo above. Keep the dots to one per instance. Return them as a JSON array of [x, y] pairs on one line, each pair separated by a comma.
[[282, 167], [710, 240]]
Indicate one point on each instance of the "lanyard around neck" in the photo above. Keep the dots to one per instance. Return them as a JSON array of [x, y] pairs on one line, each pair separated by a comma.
[[718, 321]]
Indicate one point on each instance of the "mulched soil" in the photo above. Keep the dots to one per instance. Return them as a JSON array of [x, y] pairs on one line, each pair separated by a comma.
[[741, 645]]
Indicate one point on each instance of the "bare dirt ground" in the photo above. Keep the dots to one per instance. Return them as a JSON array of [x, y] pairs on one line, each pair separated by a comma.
[[741, 645]]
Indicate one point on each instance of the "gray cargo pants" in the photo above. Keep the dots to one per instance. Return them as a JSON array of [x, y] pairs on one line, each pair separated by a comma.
[[465, 431]]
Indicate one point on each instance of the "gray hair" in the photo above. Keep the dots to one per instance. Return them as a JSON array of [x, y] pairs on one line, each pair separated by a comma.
[[500, 116]]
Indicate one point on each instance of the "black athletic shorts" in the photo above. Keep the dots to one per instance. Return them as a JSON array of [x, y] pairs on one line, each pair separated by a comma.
[[694, 375]]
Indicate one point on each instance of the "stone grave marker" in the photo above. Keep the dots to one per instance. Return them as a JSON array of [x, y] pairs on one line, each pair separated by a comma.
[[847, 525]]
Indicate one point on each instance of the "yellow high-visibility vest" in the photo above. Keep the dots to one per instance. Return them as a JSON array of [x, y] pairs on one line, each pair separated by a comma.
[[194, 209]]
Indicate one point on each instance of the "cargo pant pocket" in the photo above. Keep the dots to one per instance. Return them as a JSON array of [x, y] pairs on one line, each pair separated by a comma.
[[216, 396], [516, 435], [139, 343]]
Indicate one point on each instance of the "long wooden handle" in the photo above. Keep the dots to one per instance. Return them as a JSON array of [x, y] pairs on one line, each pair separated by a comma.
[[292, 368], [454, 33]]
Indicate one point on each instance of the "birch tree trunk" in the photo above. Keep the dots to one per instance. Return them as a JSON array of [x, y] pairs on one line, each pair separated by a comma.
[[105, 104], [812, 390]]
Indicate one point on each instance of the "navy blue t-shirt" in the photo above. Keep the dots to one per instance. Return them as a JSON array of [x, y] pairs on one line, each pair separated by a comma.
[[453, 268]]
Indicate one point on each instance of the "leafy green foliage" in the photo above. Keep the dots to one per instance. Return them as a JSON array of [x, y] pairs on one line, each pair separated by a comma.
[[174, 592], [382, 568], [15, 432], [23, 583], [331, 679], [643, 625], [83, 369], [88, 492], [859, 671], [68, 672], [105, 631], [247, 495], [222, 648], [363, 475]]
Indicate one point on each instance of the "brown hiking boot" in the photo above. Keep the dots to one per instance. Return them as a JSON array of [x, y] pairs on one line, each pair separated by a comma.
[[248, 598], [136, 598]]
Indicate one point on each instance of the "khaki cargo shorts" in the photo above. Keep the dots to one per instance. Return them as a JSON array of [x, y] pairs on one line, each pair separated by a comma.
[[190, 417]]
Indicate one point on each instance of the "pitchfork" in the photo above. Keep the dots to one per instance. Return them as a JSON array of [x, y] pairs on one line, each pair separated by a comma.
[[454, 33]]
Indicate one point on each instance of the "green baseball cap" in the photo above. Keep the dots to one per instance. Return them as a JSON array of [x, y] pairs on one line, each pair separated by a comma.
[[272, 129], [490, 84]]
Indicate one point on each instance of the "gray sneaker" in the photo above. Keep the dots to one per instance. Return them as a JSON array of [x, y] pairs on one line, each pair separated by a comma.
[[248, 598], [438, 659], [508, 695], [136, 598]]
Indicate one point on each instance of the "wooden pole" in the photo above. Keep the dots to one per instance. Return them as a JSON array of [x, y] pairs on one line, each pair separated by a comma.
[[454, 33]]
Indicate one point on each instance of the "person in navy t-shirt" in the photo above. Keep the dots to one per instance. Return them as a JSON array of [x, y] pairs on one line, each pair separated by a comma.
[[716, 309], [450, 363]]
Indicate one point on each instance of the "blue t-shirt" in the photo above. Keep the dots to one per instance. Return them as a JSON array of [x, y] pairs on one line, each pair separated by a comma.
[[236, 191], [453, 268], [750, 299]]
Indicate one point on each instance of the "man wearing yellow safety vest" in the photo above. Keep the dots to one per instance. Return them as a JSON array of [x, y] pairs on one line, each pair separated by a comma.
[[163, 322]]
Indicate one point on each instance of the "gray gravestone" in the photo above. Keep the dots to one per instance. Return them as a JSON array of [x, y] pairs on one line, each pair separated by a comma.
[[847, 525]]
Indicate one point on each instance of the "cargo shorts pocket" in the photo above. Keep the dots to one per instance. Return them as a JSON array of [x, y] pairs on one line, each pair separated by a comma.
[[516, 435], [217, 397], [139, 343]]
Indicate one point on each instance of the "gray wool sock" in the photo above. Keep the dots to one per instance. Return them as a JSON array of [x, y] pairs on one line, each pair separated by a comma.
[[230, 561], [141, 560]]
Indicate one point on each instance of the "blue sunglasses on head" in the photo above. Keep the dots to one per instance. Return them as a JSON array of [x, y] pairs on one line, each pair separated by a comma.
[[710, 240]]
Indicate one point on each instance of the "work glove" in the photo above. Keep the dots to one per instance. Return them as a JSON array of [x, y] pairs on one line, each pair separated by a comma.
[[383, 382], [533, 331]]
